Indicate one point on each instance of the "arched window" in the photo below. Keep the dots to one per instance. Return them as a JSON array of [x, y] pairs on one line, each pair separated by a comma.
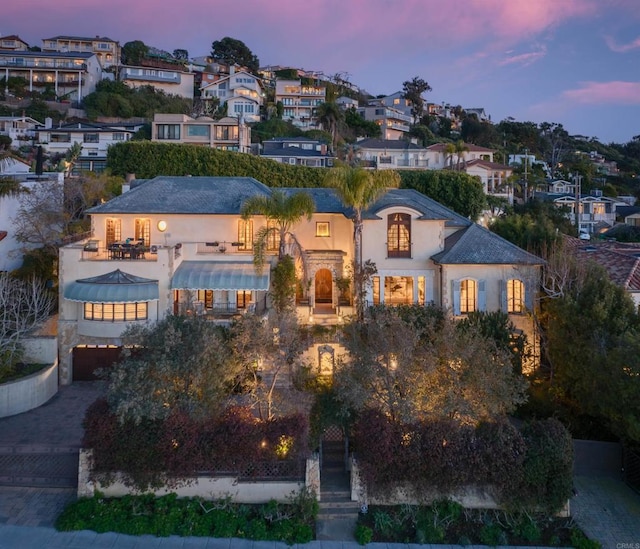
[[399, 235], [468, 296], [515, 296]]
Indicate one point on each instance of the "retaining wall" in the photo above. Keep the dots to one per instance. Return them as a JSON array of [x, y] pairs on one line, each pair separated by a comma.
[[28, 392]]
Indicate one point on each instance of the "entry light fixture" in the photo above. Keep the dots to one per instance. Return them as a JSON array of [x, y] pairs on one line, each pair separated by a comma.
[[162, 225]]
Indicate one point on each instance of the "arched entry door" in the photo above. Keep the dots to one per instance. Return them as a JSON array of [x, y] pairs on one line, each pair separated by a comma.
[[324, 286]]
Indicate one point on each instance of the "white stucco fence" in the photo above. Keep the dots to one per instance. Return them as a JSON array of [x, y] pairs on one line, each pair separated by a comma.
[[28, 392], [210, 488]]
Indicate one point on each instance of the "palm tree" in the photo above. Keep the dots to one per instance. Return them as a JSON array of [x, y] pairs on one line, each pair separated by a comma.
[[359, 189], [329, 114], [284, 210], [458, 149]]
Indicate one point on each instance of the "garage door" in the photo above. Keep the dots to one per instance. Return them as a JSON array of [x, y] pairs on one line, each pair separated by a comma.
[[86, 360]]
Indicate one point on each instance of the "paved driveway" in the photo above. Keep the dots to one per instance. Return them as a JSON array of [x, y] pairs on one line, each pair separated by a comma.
[[38, 450]]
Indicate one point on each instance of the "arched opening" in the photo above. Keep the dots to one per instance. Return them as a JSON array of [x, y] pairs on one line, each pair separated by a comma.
[[323, 286]]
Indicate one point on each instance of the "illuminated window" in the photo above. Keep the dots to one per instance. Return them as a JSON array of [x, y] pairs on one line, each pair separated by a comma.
[[143, 230], [245, 234], [398, 290], [399, 235], [322, 228], [243, 299], [468, 296], [116, 312], [515, 296], [273, 236], [113, 231]]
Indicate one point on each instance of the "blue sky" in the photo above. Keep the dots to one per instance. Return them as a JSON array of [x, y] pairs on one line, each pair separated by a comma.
[[576, 62]]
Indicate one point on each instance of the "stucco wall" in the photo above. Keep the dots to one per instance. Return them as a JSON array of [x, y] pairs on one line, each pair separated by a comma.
[[206, 487], [29, 392]]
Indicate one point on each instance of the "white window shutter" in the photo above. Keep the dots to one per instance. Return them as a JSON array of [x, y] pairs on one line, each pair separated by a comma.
[[455, 292], [482, 296], [503, 296]]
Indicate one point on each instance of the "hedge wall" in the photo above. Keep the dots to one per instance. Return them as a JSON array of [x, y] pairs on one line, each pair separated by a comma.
[[528, 469], [147, 159], [155, 453]]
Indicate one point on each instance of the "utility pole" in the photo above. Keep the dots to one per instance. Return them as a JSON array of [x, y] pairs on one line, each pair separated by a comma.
[[577, 181], [526, 183]]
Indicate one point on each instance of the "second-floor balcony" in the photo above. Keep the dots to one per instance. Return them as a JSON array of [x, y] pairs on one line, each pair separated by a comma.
[[412, 163]]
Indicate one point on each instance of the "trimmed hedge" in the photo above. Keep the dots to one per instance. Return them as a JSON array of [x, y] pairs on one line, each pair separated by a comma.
[[169, 515], [528, 469], [162, 452], [148, 159]]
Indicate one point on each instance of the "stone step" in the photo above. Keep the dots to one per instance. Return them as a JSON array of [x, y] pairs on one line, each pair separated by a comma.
[[342, 504], [337, 513], [335, 495]]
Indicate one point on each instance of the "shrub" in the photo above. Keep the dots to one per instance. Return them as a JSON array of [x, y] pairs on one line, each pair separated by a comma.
[[153, 453], [363, 534]]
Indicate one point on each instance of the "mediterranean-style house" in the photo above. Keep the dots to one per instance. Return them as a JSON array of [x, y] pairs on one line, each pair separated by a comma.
[[241, 91], [21, 129], [179, 244], [229, 134]]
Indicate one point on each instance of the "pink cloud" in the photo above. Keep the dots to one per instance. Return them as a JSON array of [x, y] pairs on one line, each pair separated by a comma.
[[524, 59], [621, 48], [615, 92]]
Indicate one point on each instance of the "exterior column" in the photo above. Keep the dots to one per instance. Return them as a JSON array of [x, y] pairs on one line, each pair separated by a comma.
[[30, 80]]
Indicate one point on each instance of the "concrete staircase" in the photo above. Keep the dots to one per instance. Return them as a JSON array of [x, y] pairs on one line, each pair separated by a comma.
[[338, 514]]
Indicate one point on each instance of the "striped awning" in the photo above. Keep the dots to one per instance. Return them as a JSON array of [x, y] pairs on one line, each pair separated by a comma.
[[219, 275], [113, 287]]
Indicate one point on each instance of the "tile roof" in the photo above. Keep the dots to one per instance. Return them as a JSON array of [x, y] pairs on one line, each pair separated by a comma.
[[476, 245], [621, 260], [486, 164]]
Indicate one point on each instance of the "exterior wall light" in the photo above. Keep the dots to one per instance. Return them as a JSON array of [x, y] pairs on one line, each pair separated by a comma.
[[162, 226]]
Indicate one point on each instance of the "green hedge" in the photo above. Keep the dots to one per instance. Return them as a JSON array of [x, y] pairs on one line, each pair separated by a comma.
[[529, 469], [172, 516], [147, 159]]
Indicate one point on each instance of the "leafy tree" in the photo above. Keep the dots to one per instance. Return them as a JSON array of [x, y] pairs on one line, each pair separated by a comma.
[[456, 190], [134, 52], [432, 369], [359, 189], [412, 90], [285, 211], [180, 54], [232, 51], [534, 226], [359, 126], [423, 133], [555, 143], [592, 331], [179, 364]]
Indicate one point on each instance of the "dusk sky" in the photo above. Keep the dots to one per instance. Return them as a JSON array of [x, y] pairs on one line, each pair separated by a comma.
[[576, 62]]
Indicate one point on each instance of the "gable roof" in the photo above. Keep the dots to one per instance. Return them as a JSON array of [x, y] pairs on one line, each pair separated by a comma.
[[476, 245], [485, 164]]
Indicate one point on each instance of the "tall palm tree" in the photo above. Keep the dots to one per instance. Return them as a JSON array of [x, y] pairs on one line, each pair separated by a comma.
[[329, 114], [359, 189], [284, 210], [458, 149]]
